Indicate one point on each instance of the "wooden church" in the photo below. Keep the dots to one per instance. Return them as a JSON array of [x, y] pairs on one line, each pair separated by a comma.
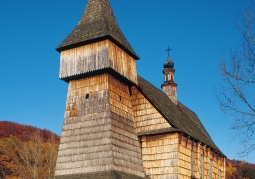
[[118, 125]]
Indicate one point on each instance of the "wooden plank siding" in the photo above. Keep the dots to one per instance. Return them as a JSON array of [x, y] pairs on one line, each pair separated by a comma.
[[98, 132], [100, 129], [147, 118], [185, 148], [96, 56], [160, 156], [184, 157]]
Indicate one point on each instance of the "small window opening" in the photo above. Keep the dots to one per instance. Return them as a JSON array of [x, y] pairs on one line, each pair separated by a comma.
[[219, 174], [120, 98], [87, 96], [201, 166], [210, 169], [168, 77], [192, 160]]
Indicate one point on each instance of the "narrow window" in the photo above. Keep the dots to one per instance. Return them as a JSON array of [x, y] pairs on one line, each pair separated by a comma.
[[192, 158], [120, 98], [219, 174], [210, 169], [201, 167], [87, 96]]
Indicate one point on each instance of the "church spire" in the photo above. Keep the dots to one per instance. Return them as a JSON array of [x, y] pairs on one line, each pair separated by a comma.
[[97, 23], [169, 86]]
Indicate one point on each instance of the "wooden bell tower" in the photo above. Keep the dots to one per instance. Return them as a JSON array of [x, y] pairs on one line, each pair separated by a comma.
[[98, 136]]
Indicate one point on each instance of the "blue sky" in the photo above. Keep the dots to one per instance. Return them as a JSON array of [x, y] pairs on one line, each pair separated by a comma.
[[197, 31]]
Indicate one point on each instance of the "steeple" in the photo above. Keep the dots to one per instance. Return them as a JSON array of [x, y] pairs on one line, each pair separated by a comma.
[[96, 24], [169, 86], [97, 45], [99, 137]]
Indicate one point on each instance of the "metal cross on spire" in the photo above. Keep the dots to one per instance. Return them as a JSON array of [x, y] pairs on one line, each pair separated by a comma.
[[168, 50]]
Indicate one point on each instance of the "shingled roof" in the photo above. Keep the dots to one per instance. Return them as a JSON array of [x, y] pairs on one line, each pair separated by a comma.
[[111, 174], [179, 116], [97, 23]]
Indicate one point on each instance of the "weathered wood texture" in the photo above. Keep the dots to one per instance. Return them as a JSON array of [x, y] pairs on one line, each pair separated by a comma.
[[170, 90], [147, 118], [126, 148], [98, 132], [169, 87], [160, 156], [96, 56], [201, 170]]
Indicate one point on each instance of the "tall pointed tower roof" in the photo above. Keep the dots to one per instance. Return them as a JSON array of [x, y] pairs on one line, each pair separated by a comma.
[[97, 23]]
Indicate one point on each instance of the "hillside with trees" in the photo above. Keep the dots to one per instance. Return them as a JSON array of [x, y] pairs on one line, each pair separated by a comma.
[[27, 152], [24, 132], [239, 170]]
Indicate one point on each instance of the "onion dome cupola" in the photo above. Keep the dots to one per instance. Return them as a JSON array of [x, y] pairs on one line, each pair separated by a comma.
[[169, 86], [168, 63]]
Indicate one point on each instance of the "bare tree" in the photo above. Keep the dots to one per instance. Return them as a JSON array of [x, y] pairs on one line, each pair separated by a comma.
[[236, 96], [38, 157], [31, 155], [50, 156]]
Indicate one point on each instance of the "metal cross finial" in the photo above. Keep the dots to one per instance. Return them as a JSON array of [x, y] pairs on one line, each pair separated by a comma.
[[168, 50]]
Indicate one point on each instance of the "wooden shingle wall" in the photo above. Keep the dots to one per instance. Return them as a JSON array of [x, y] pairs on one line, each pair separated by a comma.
[[218, 163], [98, 132], [126, 149], [170, 90], [186, 146], [184, 156], [147, 118], [96, 56], [160, 156], [85, 144]]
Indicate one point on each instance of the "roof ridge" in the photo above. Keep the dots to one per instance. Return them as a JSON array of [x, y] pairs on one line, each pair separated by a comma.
[[184, 119]]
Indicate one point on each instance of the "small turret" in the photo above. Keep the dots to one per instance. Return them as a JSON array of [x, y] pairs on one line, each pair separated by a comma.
[[169, 86]]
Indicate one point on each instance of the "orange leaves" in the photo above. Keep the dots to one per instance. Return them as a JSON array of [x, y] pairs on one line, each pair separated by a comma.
[[8, 156], [23, 132], [239, 170], [32, 158]]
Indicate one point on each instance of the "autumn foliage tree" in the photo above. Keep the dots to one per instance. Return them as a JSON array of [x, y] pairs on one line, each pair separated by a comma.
[[239, 170], [33, 158], [236, 95], [31, 155], [24, 132], [9, 156], [50, 156]]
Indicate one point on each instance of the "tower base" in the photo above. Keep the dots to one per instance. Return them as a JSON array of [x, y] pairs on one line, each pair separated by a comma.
[[113, 174]]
